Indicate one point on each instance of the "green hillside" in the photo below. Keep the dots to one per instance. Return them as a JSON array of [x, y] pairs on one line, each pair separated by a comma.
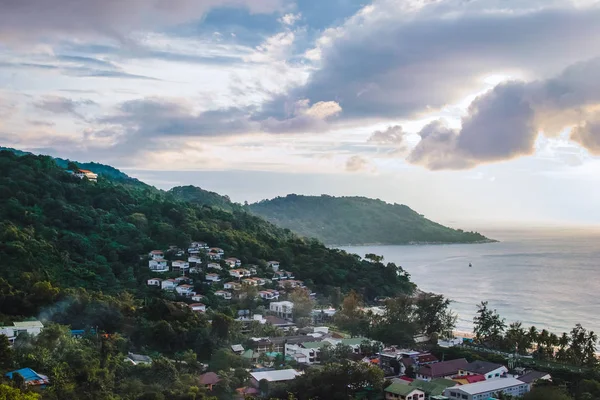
[[75, 233], [196, 195], [357, 220]]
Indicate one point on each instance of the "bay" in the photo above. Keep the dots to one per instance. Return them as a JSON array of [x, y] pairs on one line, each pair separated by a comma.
[[549, 278]]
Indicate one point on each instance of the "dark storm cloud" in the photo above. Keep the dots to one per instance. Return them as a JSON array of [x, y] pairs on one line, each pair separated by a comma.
[[505, 122], [390, 65], [37, 18]]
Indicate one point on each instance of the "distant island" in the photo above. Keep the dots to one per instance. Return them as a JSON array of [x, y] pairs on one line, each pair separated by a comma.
[[357, 221]]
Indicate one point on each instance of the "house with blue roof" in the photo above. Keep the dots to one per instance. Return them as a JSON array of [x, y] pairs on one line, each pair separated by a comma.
[[30, 377]]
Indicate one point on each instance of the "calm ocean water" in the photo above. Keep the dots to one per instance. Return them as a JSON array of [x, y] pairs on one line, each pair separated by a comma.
[[546, 278]]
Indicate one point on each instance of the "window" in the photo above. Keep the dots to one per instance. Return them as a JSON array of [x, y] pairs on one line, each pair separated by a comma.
[[497, 375], [464, 396], [489, 376]]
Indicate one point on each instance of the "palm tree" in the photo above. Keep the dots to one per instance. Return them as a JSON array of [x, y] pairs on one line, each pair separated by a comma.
[[563, 344], [533, 336], [552, 342]]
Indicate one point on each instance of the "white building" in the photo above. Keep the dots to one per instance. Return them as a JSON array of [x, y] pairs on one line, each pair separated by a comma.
[[274, 265], [84, 173], [213, 277], [281, 375], [154, 282], [156, 254], [198, 307], [158, 265], [223, 294], [198, 245], [168, 284], [282, 309], [180, 266], [488, 388], [488, 369], [32, 328], [194, 259], [233, 262], [197, 297], [185, 290], [214, 266]]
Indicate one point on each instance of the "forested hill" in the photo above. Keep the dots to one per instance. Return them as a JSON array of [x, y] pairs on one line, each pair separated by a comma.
[[357, 220], [100, 169], [76, 233], [196, 195]]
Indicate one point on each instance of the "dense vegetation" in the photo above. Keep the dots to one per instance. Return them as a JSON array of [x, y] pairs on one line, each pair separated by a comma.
[[75, 233], [196, 195], [357, 220], [100, 169]]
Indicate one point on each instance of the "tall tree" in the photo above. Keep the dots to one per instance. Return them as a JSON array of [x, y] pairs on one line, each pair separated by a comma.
[[488, 325], [434, 315]]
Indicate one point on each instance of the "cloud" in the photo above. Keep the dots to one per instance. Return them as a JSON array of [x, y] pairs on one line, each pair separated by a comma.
[[155, 118], [357, 163], [505, 122], [392, 61], [290, 19], [393, 135], [588, 135], [24, 19], [62, 105]]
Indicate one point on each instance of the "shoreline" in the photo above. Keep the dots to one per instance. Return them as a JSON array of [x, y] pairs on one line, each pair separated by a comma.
[[412, 243]]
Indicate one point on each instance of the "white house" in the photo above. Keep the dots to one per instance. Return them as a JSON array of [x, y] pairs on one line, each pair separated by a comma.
[[236, 273], [291, 283], [215, 266], [277, 275], [32, 328], [250, 281], [180, 266], [233, 262], [213, 277], [223, 294], [156, 254], [197, 297], [274, 265], [217, 250], [228, 285], [269, 294], [282, 309], [185, 290], [194, 259], [168, 284], [488, 369], [488, 388], [158, 265], [84, 173], [281, 375], [154, 282], [198, 307], [195, 270], [198, 245], [214, 256]]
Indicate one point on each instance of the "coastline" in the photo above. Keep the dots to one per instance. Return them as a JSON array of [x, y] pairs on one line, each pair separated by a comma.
[[412, 243]]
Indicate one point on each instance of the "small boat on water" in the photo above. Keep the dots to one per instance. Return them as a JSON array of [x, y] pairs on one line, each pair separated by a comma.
[[470, 265]]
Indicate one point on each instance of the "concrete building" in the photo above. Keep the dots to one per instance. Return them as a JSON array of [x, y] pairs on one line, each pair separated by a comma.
[[488, 388]]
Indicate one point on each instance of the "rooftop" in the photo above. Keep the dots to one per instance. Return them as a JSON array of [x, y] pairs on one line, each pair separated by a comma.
[[314, 345], [401, 389], [482, 367], [532, 376], [28, 324], [209, 378], [443, 368], [489, 386], [275, 376]]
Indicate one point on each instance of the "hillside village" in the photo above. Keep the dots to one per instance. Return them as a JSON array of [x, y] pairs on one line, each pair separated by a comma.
[[291, 351]]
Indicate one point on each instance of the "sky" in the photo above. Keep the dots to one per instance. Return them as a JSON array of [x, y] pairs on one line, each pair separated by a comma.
[[472, 112]]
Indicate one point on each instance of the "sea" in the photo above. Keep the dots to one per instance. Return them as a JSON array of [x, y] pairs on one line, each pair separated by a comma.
[[546, 277]]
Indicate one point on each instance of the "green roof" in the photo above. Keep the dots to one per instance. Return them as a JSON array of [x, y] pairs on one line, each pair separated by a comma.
[[400, 388], [314, 345], [248, 353], [354, 341], [435, 387]]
